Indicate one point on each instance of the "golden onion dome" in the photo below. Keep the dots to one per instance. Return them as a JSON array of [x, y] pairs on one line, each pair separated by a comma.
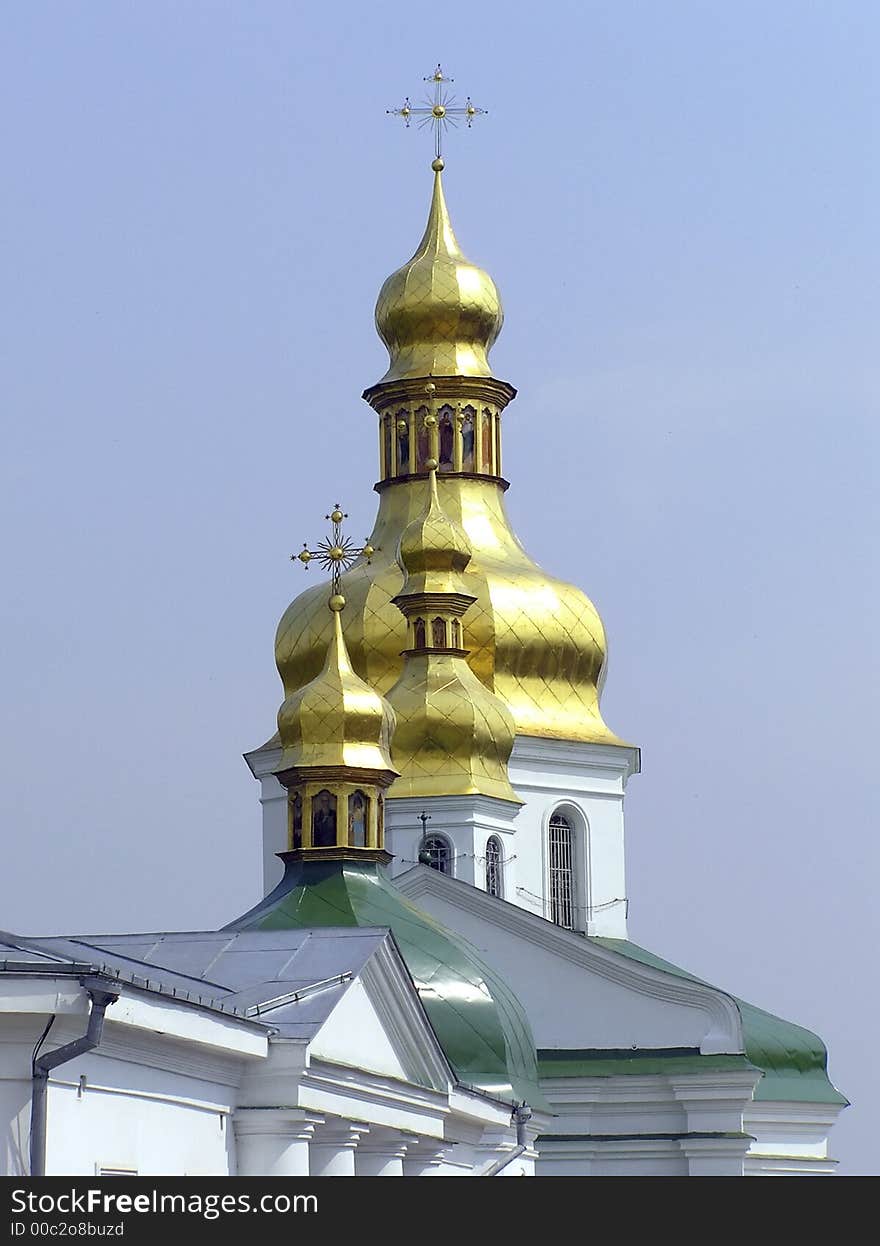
[[336, 719], [454, 736], [434, 550], [535, 640], [439, 314]]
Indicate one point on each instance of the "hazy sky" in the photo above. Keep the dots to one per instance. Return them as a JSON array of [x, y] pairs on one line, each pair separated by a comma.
[[678, 202]]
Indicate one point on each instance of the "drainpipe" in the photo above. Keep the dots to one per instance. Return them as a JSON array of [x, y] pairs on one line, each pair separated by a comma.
[[101, 994], [521, 1113]]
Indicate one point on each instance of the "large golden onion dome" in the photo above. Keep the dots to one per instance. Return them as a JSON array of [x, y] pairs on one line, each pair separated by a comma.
[[535, 641], [438, 314], [335, 719]]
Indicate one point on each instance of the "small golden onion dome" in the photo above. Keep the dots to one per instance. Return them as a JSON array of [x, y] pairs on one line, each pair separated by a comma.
[[454, 736], [438, 314], [336, 719], [434, 550]]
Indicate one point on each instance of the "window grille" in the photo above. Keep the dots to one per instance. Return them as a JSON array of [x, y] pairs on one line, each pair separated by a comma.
[[436, 853], [494, 878], [562, 906]]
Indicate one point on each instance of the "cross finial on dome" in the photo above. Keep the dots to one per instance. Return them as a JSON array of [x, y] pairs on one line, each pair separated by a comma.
[[439, 112], [335, 554]]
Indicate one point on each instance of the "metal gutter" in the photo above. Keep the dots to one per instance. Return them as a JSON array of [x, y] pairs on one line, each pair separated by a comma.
[[521, 1113], [102, 993]]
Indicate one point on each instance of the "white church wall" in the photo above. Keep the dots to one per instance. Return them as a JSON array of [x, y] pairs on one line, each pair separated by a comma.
[[789, 1138], [466, 822], [18, 1034], [152, 1134], [586, 783]]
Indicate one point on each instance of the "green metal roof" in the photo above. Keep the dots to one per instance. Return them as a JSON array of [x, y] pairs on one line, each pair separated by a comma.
[[794, 1061], [644, 1062], [479, 1022]]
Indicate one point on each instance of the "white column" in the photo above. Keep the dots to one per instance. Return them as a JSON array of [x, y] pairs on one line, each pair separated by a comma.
[[273, 1142], [381, 1154], [333, 1147]]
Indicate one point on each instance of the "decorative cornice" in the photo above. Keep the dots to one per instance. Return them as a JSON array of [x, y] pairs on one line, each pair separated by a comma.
[[447, 389], [400, 1009], [617, 760]]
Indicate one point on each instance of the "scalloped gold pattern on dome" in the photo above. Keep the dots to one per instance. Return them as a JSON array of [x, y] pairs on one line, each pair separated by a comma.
[[534, 640], [453, 736], [336, 719], [439, 314]]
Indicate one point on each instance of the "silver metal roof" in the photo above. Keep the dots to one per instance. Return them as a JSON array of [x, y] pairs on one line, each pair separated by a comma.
[[288, 979]]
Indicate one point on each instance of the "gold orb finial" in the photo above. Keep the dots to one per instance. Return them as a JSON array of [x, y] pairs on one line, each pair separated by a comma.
[[336, 603], [430, 464]]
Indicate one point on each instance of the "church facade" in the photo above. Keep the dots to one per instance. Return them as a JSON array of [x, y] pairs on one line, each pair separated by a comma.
[[438, 979]]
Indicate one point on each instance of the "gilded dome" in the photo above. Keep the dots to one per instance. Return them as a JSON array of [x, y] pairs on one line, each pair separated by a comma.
[[534, 640], [454, 736], [434, 549], [336, 719], [439, 314]]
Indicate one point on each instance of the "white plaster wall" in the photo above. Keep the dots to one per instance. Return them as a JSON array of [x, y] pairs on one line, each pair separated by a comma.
[[586, 783], [466, 821], [15, 1115], [154, 1136], [273, 798]]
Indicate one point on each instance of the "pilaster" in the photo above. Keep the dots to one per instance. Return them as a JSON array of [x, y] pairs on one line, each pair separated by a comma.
[[273, 1142]]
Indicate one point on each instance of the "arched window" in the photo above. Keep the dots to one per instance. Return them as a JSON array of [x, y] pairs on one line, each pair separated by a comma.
[[419, 633], [402, 443], [456, 634], [494, 877], [562, 891], [438, 633], [437, 853]]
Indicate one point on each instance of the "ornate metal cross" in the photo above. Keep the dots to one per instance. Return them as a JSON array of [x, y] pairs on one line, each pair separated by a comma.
[[439, 112], [335, 553]]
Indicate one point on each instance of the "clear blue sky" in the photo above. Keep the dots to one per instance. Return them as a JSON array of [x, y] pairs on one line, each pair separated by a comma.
[[679, 204]]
